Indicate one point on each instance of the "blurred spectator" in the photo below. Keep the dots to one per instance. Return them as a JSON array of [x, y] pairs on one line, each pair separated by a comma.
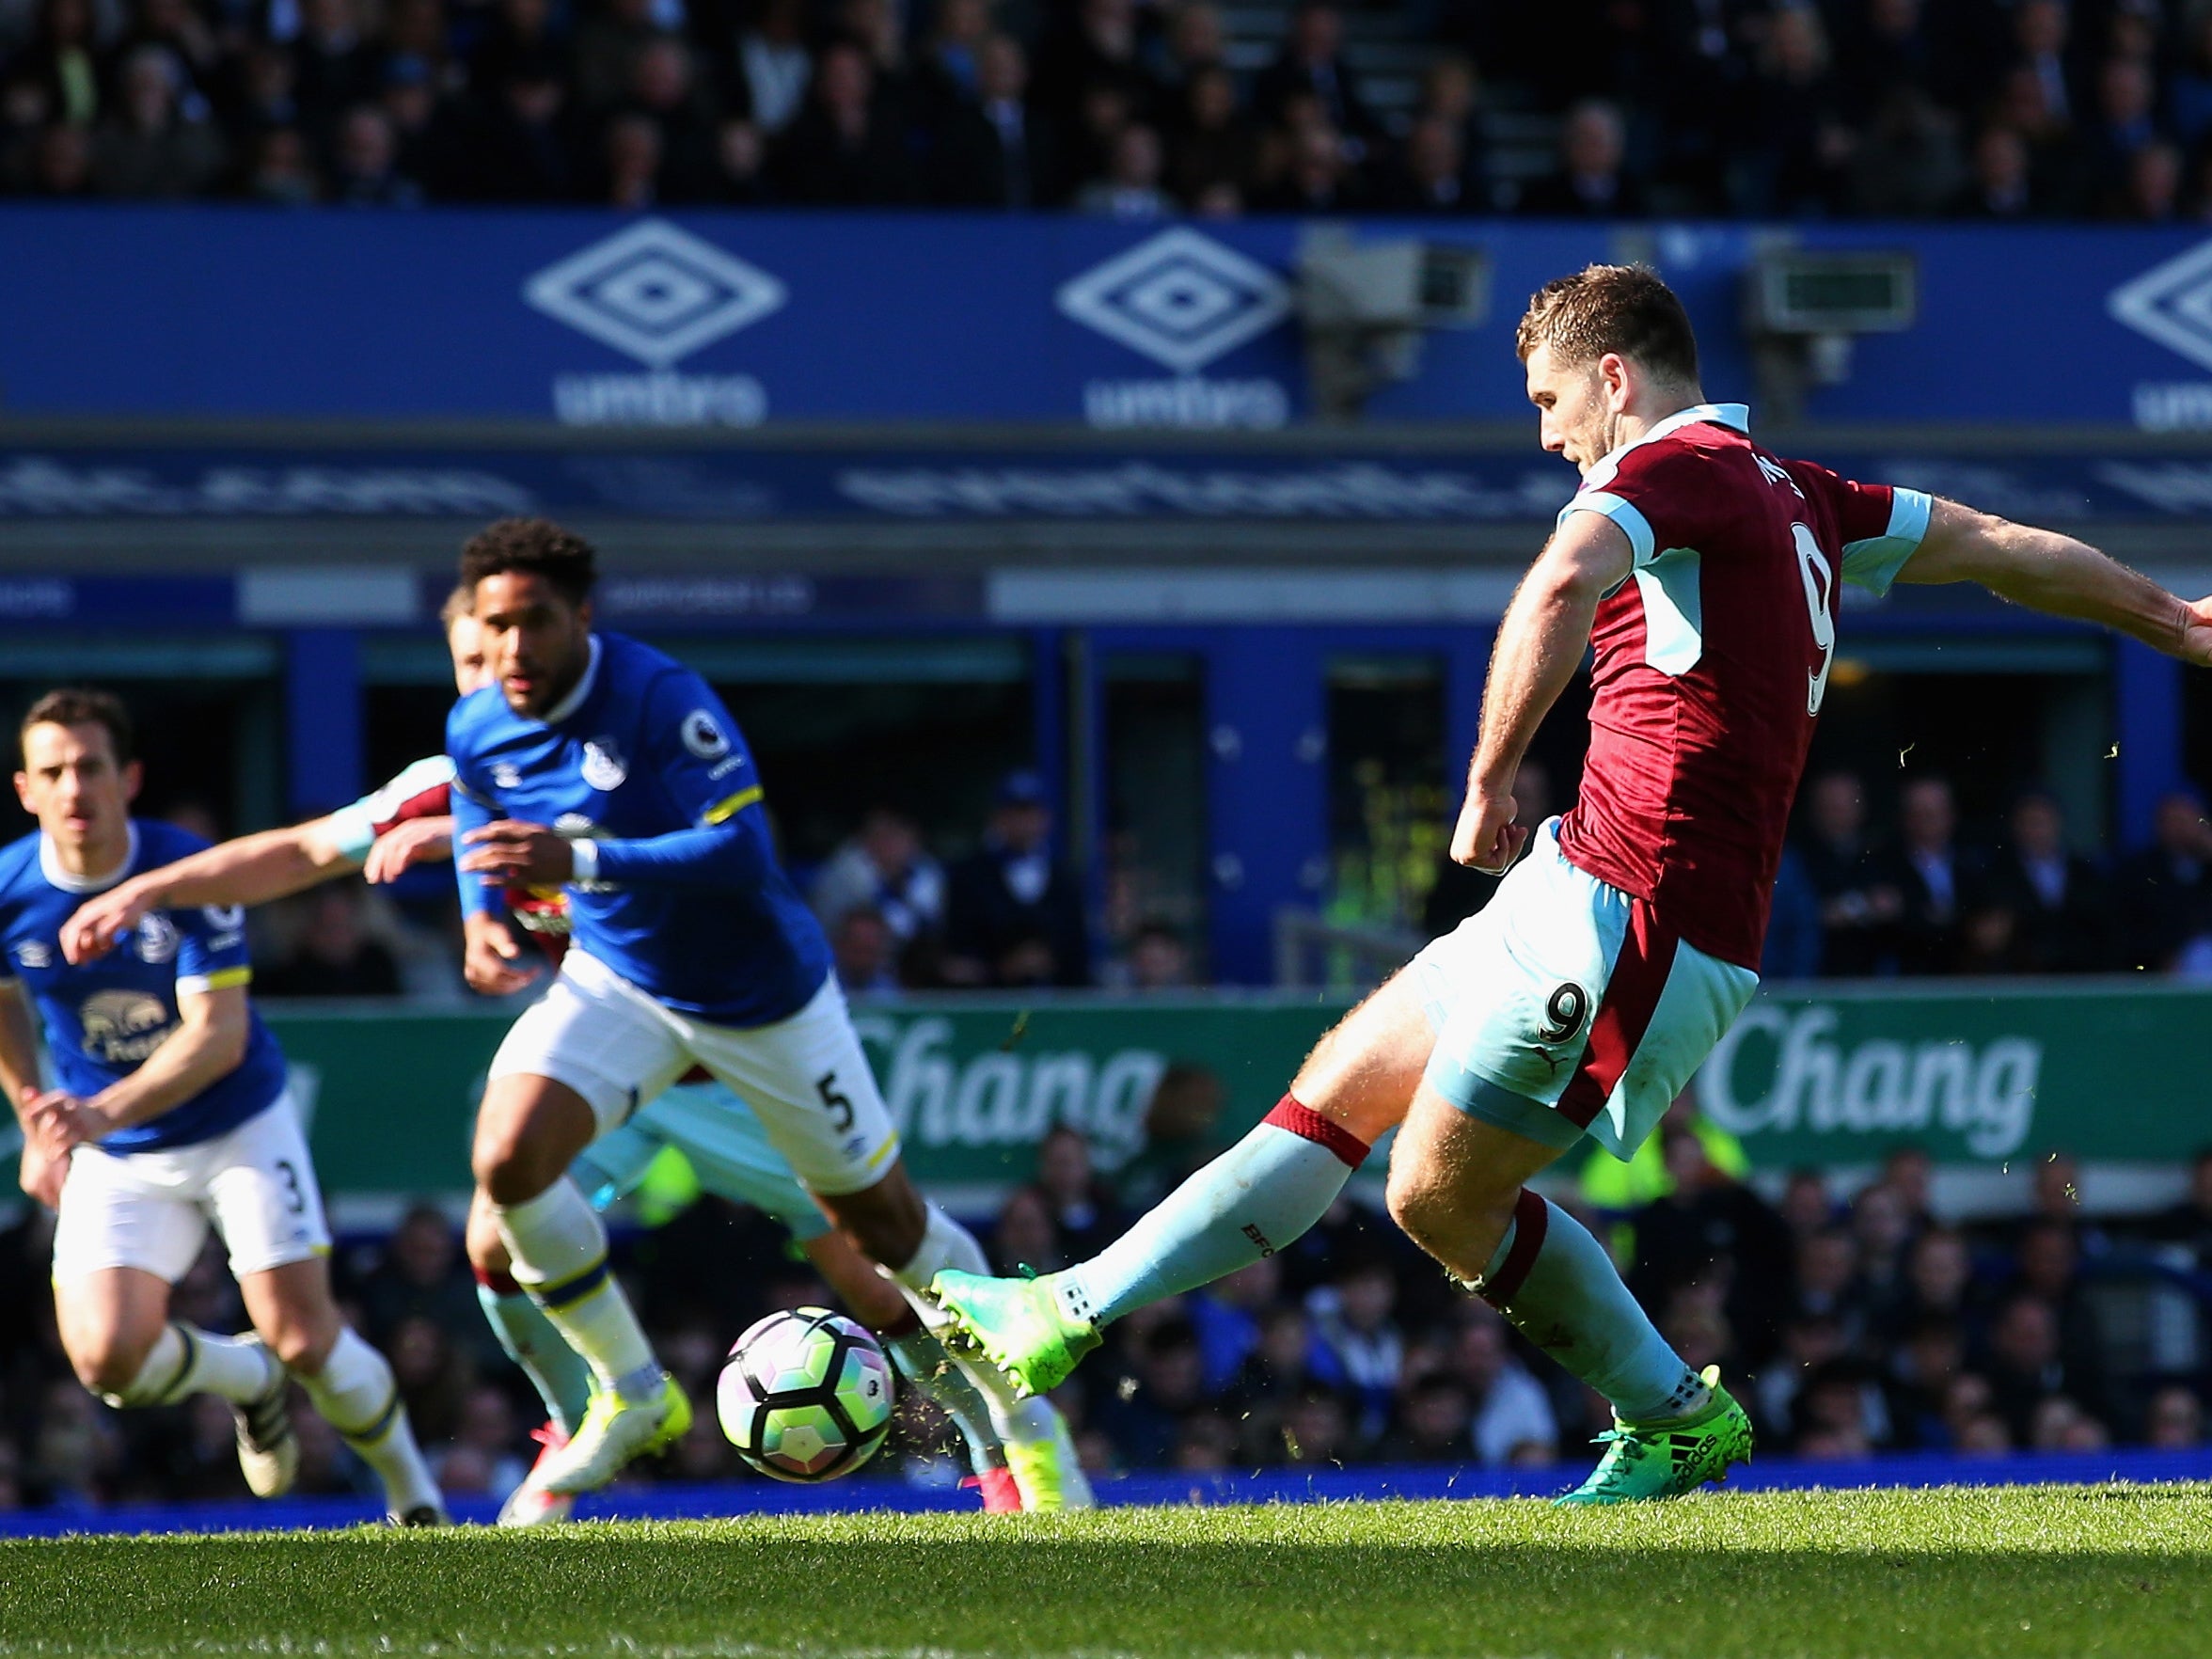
[[1937, 884], [2000, 185], [1590, 182], [1362, 1349], [365, 170], [1146, 1421], [1432, 176], [1013, 914], [2059, 907], [773, 58], [1317, 177], [333, 956], [1906, 163], [282, 174], [1024, 1239], [1711, 1223], [2175, 1419], [840, 150], [1797, 145], [1130, 189], [1312, 64], [1084, 1212], [147, 148], [1159, 959], [1795, 941], [2025, 1367], [1856, 905], [2189, 1224], [420, 1274], [863, 951], [989, 151], [1214, 145], [2163, 894], [1512, 1417]]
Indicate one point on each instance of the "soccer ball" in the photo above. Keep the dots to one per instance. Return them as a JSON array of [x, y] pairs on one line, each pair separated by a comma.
[[805, 1395]]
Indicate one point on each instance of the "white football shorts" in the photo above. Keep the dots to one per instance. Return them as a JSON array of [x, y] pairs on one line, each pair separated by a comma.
[[728, 1149], [152, 1210], [1564, 1007], [805, 1077]]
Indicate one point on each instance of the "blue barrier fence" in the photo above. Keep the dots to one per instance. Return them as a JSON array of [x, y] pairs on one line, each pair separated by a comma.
[[1405, 1484], [730, 319]]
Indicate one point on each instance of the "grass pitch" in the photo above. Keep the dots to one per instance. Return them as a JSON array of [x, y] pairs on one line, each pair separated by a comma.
[[2015, 1573]]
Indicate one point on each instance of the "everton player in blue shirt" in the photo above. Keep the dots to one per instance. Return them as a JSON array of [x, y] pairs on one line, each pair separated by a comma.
[[173, 1111], [599, 764]]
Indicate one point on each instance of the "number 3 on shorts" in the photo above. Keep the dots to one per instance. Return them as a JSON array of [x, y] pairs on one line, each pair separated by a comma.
[[841, 1106]]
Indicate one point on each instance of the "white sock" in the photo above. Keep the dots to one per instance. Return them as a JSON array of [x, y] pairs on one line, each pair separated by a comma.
[[358, 1397], [945, 1243], [185, 1359], [560, 1250]]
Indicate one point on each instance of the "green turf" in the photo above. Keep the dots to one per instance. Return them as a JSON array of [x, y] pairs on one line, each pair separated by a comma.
[[2012, 1573]]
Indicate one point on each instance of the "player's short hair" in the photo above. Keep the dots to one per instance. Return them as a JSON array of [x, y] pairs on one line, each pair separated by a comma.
[[1624, 310], [461, 601], [81, 706], [531, 546]]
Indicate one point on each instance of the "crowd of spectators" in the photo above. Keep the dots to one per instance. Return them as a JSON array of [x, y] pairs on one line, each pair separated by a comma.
[[1922, 896], [1132, 108], [1925, 899], [1852, 1326]]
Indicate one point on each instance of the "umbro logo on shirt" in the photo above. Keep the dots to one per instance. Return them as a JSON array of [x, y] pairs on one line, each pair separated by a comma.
[[31, 954]]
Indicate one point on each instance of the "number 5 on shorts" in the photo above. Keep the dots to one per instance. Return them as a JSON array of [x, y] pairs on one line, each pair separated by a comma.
[[840, 1108]]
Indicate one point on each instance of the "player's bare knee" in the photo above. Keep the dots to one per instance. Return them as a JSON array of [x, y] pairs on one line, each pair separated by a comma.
[[487, 1251], [108, 1360], [304, 1346], [1417, 1201], [511, 1165]]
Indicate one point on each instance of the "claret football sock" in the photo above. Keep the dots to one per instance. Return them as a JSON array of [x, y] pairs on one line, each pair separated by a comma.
[[555, 1370], [358, 1397], [1558, 1288], [1254, 1199], [559, 1245], [185, 1359]]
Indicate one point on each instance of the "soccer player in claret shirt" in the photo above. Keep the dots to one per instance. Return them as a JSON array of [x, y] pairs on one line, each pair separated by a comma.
[[1702, 571], [173, 1111], [408, 821], [598, 763]]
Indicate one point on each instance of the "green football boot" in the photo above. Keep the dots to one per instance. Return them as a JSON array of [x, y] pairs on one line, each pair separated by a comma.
[[1015, 1324], [1667, 1460]]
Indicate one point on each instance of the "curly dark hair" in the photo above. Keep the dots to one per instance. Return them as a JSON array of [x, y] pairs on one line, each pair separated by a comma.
[[1626, 310], [81, 706], [531, 546]]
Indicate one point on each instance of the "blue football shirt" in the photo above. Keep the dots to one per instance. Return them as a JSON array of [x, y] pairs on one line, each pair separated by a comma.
[[102, 1019], [643, 747]]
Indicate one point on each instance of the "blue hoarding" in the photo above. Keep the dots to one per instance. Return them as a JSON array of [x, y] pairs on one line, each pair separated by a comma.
[[734, 319]]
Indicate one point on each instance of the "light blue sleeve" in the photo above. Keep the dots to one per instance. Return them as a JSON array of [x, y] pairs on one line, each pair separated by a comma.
[[1621, 511], [1873, 564]]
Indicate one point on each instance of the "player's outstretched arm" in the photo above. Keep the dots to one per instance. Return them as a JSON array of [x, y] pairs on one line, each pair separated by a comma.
[[251, 870], [406, 843], [213, 1028], [2058, 575], [1539, 644], [50, 1128]]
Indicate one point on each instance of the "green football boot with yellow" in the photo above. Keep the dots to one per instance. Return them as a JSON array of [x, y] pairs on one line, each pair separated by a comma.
[[1018, 1325], [1646, 1462]]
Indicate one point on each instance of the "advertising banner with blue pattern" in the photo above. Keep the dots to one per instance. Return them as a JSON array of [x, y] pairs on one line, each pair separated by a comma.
[[734, 319]]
